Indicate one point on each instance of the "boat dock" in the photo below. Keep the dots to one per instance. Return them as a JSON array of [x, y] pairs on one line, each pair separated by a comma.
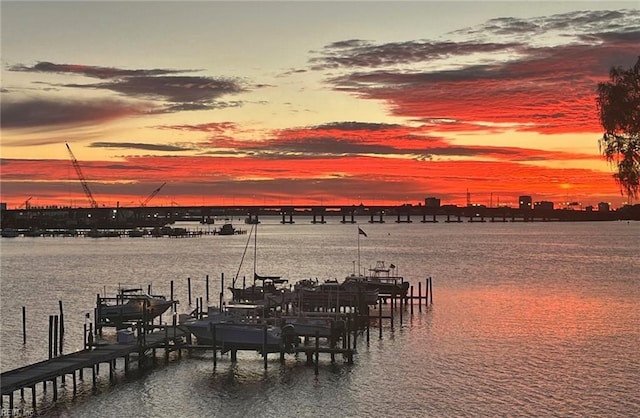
[[140, 341], [56, 369]]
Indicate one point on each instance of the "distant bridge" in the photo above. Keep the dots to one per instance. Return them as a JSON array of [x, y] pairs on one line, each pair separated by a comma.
[[152, 216]]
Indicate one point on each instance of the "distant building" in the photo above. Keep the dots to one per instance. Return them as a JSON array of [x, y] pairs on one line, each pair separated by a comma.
[[603, 207], [525, 202], [432, 202], [3, 206], [544, 205]]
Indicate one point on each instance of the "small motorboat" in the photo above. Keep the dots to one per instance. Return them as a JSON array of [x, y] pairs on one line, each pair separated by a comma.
[[239, 327], [131, 305]]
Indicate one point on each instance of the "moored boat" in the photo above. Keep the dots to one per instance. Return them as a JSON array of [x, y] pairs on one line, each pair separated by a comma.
[[239, 327], [262, 286], [131, 305], [9, 233], [381, 278]]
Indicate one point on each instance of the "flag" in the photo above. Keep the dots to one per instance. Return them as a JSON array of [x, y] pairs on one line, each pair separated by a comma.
[[361, 232]]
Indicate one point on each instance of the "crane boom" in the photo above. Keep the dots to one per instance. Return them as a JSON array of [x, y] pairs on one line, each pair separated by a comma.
[[152, 195], [83, 181]]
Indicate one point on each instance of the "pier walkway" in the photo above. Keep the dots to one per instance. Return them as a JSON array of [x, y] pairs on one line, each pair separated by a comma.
[[49, 370]]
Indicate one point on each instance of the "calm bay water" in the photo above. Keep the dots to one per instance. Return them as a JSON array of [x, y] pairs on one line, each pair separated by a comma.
[[535, 319]]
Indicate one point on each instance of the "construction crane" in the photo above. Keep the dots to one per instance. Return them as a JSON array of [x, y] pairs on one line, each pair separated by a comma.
[[26, 203], [152, 195], [83, 181]]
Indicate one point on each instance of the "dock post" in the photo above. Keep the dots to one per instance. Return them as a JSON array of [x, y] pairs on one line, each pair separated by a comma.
[[401, 307], [24, 325], [97, 316], [207, 286], [189, 289], [126, 364], [173, 307], [355, 333], [392, 308], [166, 344], [75, 383], [54, 382], [33, 399], [419, 296], [93, 375], [411, 300], [221, 290], [61, 341], [50, 336], [426, 292], [368, 323], [264, 346], [317, 353], [380, 316], [348, 343], [212, 330], [430, 290]]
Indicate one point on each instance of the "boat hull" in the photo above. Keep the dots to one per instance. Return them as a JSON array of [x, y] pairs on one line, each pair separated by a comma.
[[237, 336], [134, 310]]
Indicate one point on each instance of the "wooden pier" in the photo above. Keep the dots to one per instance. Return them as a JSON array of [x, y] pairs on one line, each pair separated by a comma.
[[148, 338], [168, 338]]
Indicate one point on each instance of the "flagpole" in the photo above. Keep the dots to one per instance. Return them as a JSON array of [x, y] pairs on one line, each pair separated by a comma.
[[358, 250]]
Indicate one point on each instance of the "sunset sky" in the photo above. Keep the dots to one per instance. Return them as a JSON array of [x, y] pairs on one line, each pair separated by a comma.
[[308, 102]]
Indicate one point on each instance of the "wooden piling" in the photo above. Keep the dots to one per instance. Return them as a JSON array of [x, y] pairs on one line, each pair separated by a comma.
[[61, 335], [317, 353], [430, 290], [189, 289], [50, 336], [207, 286], [111, 373], [419, 296], [264, 347], [173, 308], [426, 294], [221, 290], [166, 344], [24, 325], [355, 333], [380, 316], [212, 330], [33, 399], [411, 300]]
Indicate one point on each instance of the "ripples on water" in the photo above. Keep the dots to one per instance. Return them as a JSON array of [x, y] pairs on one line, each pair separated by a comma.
[[529, 320]]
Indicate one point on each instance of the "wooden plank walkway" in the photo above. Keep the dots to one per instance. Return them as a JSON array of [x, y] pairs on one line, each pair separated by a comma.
[[30, 375]]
